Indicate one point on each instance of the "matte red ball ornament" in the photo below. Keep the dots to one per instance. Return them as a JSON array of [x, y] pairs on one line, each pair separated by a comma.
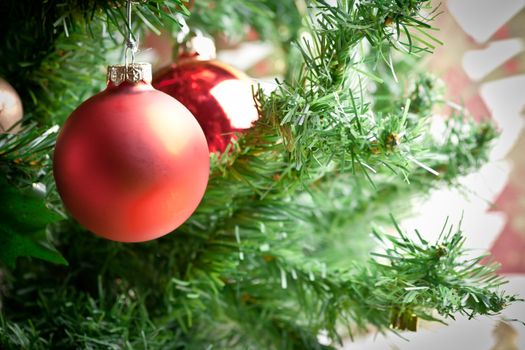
[[218, 95], [131, 163]]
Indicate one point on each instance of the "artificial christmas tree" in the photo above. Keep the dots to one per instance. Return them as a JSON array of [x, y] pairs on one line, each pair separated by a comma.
[[279, 250]]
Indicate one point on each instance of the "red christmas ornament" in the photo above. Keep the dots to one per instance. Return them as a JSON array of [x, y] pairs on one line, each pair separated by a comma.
[[218, 95], [131, 163]]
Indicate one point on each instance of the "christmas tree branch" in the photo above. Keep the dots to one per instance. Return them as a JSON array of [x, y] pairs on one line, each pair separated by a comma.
[[414, 280]]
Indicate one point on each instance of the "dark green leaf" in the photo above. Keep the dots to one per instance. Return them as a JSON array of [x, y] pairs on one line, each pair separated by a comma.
[[23, 218]]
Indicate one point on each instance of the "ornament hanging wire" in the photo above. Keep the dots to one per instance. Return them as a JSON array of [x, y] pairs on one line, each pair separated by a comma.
[[131, 44], [129, 71]]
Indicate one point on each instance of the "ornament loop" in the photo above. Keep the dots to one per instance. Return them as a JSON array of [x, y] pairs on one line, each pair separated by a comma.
[[131, 73], [192, 43]]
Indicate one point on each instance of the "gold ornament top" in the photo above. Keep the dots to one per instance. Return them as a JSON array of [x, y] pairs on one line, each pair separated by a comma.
[[131, 73]]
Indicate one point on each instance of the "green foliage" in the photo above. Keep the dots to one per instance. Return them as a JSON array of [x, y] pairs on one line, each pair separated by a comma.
[[24, 219], [24, 157], [279, 249], [23, 215], [445, 278]]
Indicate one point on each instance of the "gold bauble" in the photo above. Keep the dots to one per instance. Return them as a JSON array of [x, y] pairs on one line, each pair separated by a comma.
[[11, 110]]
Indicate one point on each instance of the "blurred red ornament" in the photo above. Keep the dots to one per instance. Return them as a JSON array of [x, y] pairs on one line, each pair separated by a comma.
[[218, 95], [131, 163]]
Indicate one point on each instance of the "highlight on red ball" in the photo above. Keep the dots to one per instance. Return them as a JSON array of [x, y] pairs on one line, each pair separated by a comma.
[[218, 95]]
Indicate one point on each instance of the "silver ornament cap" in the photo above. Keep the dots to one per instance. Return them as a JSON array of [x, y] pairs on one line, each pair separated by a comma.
[[131, 73]]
